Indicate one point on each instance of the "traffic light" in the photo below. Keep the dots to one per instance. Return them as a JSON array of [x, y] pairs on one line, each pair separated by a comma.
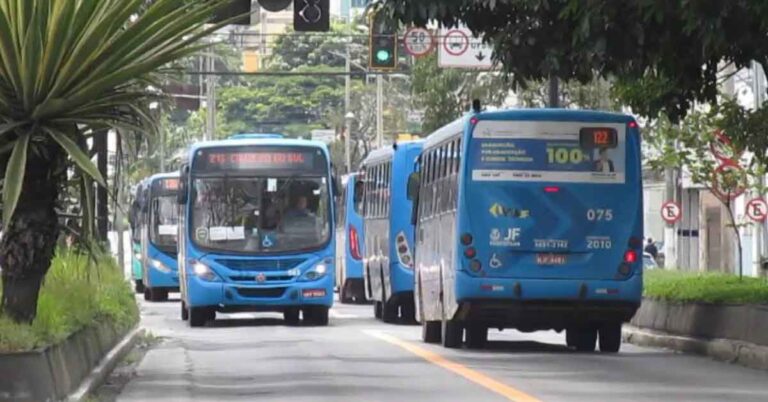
[[382, 43], [234, 9], [311, 15]]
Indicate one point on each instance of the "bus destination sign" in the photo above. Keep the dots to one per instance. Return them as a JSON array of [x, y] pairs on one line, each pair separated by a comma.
[[259, 159]]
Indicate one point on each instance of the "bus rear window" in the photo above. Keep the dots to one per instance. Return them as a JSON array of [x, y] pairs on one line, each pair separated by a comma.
[[548, 152]]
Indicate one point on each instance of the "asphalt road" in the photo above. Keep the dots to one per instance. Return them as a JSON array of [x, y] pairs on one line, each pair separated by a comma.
[[254, 357]]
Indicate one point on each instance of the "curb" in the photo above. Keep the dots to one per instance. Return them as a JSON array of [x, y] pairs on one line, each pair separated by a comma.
[[735, 352], [106, 366]]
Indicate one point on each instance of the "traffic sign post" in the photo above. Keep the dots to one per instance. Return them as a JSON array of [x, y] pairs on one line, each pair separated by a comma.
[[419, 42], [757, 210], [671, 212], [459, 49]]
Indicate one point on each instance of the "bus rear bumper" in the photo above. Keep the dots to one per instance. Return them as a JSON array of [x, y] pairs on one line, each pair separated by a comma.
[[536, 304], [230, 297]]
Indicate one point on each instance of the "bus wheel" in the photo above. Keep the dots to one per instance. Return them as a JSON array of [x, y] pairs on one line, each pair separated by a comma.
[[199, 316], [584, 338], [389, 312], [408, 312], [184, 311], [477, 336], [430, 331], [147, 294], [344, 296], [377, 307], [452, 332], [610, 337], [139, 286], [291, 316], [316, 315]]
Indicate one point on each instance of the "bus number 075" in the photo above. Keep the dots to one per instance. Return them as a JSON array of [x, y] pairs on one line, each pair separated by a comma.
[[600, 215]]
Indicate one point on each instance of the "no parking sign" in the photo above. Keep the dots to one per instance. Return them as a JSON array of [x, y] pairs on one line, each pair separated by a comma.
[[757, 210]]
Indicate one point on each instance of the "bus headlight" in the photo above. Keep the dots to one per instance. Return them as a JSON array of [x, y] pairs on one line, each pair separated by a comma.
[[204, 272], [317, 272], [158, 265]]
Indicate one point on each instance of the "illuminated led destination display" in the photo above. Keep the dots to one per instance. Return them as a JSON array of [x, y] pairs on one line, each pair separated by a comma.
[[591, 138], [271, 159]]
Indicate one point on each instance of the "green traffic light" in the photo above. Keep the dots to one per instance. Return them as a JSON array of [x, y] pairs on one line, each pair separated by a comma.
[[382, 56]]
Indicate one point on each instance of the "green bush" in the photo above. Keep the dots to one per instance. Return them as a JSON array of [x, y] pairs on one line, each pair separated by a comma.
[[704, 287], [77, 292]]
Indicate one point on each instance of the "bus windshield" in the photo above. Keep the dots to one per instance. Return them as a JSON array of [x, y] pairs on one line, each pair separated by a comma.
[[261, 214], [164, 221]]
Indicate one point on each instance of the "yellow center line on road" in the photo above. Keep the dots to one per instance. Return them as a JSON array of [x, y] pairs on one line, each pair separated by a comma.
[[477, 377]]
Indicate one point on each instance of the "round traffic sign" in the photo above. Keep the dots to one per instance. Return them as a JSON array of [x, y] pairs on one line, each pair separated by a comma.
[[456, 42], [757, 210], [671, 212], [729, 180], [722, 148], [419, 42]]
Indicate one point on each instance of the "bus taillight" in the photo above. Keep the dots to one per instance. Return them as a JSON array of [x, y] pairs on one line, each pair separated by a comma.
[[354, 243], [404, 250], [551, 189], [470, 253], [466, 239], [630, 257]]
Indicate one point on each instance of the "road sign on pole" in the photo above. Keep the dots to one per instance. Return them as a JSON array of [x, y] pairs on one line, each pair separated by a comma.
[[671, 212], [459, 49], [419, 42], [757, 210]]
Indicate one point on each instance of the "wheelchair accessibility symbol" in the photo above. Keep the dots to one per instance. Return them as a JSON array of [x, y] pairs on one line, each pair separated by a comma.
[[267, 241], [495, 262]]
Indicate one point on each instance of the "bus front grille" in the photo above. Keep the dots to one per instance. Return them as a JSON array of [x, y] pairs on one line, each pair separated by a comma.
[[261, 292], [253, 278], [261, 265]]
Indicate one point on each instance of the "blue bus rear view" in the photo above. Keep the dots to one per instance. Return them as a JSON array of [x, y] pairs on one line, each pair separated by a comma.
[[541, 229], [388, 231], [349, 241]]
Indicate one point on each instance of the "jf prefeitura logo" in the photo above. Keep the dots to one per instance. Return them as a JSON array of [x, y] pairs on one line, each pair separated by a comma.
[[497, 210]]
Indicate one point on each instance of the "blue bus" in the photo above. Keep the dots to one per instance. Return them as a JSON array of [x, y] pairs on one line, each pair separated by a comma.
[[257, 229], [134, 219], [159, 234], [529, 219], [388, 231], [349, 241]]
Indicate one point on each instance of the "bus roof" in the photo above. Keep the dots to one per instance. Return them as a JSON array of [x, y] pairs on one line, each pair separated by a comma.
[[256, 142], [385, 153], [458, 125], [255, 136], [160, 176]]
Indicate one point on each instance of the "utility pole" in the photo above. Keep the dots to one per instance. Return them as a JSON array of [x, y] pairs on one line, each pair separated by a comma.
[[758, 240], [379, 111], [347, 115], [211, 98], [554, 92]]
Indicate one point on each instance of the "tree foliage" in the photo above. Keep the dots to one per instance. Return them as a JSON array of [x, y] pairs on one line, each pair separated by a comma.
[[673, 48]]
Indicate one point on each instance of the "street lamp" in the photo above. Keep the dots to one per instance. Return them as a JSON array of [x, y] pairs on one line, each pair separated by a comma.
[[348, 118]]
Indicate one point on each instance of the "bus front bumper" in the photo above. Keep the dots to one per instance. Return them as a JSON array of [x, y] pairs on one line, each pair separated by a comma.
[[162, 280], [232, 297]]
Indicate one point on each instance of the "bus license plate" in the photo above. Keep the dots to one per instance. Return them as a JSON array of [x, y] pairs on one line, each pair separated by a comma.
[[551, 259]]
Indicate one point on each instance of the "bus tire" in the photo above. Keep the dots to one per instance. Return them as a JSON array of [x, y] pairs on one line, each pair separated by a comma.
[[389, 312], [138, 285], [377, 307], [147, 294], [199, 316], [610, 337], [477, 336], [408, 311], [344, 296], [430, 331], [452, 333], [316, 315], [585, 338], [184, 311], [291, 316]]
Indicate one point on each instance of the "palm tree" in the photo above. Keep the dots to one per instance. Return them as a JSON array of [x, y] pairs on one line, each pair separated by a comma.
[[70, 69]]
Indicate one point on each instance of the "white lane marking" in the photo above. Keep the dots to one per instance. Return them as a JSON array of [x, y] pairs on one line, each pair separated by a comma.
[[336, 314]]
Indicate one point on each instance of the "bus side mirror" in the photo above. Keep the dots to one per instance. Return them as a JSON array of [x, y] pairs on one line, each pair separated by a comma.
[[182, 194], [414, 181]]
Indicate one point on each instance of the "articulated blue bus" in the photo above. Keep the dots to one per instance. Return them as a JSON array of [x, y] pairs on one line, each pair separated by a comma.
[[388, 231], [159, 234], [135, 220], [529, 219], [257, 229], [349, 241]]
